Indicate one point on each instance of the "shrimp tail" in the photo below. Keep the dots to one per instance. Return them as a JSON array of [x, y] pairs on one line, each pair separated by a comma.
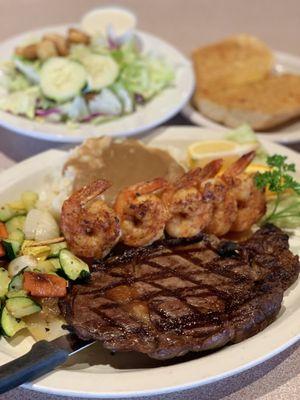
[[89, 192], [150, 187], [211, 169], [240, 165]]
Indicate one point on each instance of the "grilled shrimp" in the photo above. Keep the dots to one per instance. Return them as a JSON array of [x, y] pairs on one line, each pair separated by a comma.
[[142, 213], [251, 202], [224, 208], [238, 204], [90, 226], [189, 203]]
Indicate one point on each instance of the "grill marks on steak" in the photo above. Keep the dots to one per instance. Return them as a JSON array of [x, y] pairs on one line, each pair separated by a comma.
[[180, 296]]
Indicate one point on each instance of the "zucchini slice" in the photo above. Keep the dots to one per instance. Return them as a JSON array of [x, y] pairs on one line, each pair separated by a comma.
[[17, 236], [62, 79], [55, 248], [4, 282], [16, 293], [20, 307], [15, 223], [12, 248], [6, 213], [17, 282], [10, 325], [73, 267]]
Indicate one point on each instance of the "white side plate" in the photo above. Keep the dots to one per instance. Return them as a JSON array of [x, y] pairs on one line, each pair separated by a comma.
[[161, 108], [95, 372], [288, 133]]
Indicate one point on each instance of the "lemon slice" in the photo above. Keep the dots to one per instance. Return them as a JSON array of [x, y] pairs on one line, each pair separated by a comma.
[[253, 168], [97, 21], [200, 153]]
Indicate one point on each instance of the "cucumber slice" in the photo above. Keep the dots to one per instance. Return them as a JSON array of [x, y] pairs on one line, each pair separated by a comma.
[[62, 79], [12, 248], [125, 97], [102, 71], [16, 293], [55, 248], [10, 325], [17, 236], [15, 223], [16, 283], [4, 282], [29, 200], [72, 266], [20, 307]]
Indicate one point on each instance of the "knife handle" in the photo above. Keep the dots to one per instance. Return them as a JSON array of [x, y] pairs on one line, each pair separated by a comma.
[[42, 358]]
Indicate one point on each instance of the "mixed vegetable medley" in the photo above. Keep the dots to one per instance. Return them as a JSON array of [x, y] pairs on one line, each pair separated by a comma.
[[35, 262], [79, 78]]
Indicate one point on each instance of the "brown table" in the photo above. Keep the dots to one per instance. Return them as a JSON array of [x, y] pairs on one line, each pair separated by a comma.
[[186, 24]]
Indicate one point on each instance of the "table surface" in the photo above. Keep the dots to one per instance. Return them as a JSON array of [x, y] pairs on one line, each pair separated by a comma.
[[186, 24]]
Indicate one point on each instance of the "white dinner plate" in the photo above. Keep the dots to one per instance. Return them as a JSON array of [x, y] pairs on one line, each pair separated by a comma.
[[287, 133], [95, 372], [161, 108]]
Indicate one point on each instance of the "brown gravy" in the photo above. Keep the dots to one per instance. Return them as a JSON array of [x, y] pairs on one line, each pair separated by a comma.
[[121, 163]]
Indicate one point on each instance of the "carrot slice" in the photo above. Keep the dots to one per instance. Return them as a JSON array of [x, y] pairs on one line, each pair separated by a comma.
[[44, 285], [3, 231], [3, 235]]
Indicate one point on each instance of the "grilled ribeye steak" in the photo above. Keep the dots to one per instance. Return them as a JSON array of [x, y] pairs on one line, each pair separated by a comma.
[[180, 296]]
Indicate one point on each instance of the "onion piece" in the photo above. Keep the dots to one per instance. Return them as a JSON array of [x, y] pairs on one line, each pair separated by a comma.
[[19, 263], [40, 225]]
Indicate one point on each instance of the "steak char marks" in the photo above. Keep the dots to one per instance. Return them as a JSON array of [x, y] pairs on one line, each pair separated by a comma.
[[184, 295]]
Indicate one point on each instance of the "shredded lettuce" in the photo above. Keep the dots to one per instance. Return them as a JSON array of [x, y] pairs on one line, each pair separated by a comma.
[[12, 80], [147, 75], [76, 110], [106, 103], [30, 69], [287, 213], [22, 102], [243, 135]]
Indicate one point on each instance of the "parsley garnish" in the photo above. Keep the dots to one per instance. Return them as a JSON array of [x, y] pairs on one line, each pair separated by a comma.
[[278, 180]]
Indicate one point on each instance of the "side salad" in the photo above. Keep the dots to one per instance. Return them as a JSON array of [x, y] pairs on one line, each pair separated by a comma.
[[79, 78], [35, 268]]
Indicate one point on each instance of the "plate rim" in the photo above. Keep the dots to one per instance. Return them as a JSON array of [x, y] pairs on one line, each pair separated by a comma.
[[28, 165], [35, 130], [197, 118]]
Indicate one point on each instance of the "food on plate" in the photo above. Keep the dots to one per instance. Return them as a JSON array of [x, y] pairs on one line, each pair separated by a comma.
[[82, 78], [124, 163], [200, 153], [234, 61], [90, 227], [142, 214], [283, 189], [261, 104], [171, 298], [237, 83], [148, 267], [189, 204]]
